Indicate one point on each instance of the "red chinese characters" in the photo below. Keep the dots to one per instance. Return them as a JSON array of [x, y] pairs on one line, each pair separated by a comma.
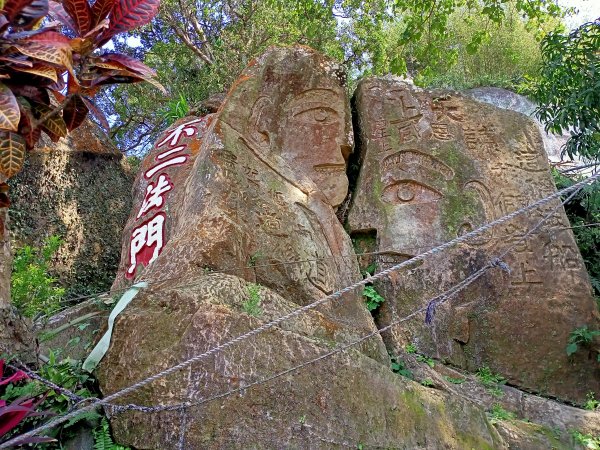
[[148, 238]]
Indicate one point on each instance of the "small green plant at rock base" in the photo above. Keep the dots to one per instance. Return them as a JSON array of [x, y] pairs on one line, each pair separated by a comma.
[[455, 380], [373, 299], [102, 438], [586, 440], [491, 380], [252, 305], [399, 368], [410, 348], [498, 413], [591, 403], [581, 337], [33, 290], [425, 359], [427, 382]]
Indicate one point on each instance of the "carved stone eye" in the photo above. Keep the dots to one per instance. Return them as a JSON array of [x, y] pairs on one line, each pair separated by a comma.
[[320, 115], [406, 192]]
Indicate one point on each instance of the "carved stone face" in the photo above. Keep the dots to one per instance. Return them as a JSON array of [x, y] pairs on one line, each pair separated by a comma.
[[314, 140]]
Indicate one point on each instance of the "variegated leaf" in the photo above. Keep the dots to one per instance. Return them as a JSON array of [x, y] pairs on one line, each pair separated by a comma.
[[55, 127], [41, 70], [75, 112], [9, 109], [61, 56], [12, 153], [129, 14], [129, 63], [57, 12], [81, 13], [100, 10], [97, 113]]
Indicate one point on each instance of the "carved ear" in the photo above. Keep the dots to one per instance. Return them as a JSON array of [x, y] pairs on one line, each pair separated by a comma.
[[258, 129]]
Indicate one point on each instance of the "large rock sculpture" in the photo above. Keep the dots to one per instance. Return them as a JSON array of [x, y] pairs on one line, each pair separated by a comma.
[[435, 165], [252, 205], [234, 225]]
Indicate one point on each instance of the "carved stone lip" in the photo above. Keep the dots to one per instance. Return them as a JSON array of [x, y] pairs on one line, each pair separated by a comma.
[[330, 168]]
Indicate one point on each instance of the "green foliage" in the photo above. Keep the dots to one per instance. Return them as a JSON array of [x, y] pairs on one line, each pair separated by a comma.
[[373, 299], [583, 212], [455, 380], [586, 440], [200, 48], [33, 290], [410, 348], [474, 51], [498, 413], [251, 305], [591, 404], [427, 382], [67, 374], [399, 367], [102, 438], [491, 380], [176, 109], [568, 88], [425, 359], [581, 337]]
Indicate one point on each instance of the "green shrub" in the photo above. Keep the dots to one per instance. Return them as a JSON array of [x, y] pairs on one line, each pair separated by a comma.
[[582, 211], [33, 290], [373, 299]]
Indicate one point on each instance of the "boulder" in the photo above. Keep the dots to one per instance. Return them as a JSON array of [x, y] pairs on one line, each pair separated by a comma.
[[503, 98], [346, 400], [435, 165], [248, 198], [79, 189]]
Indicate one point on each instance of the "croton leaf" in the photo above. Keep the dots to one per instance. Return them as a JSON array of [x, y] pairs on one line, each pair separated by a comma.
[[41, 70], [25, 13], [128, 14], [61, 56], [54, 126], [97, 113], [9, 109], [35, 93], [17, 60], [81, 13], [12, 153], [129, 63], [27, 128], [50, 38], [100, 10], [57, 12], [75, 112]]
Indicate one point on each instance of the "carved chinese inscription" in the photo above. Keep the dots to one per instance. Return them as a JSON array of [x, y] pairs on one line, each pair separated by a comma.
[[148, 238]]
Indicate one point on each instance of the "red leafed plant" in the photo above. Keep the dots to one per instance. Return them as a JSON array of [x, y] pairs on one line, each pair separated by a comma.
[[51, 66], [18, 410]]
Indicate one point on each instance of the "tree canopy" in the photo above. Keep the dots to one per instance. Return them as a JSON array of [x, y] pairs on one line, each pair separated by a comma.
[[568, 88], [199, 48]]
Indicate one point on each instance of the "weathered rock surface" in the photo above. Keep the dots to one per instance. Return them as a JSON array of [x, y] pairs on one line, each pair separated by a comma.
[[505, 99], [80, 190], [251, 205], [435, 165], [234, 225], [341, 401]]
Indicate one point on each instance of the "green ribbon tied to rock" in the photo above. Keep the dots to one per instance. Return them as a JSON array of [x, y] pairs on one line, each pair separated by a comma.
[[101, 347]]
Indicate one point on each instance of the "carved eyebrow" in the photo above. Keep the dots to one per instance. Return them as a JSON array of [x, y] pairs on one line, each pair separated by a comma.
[[312, 105]]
